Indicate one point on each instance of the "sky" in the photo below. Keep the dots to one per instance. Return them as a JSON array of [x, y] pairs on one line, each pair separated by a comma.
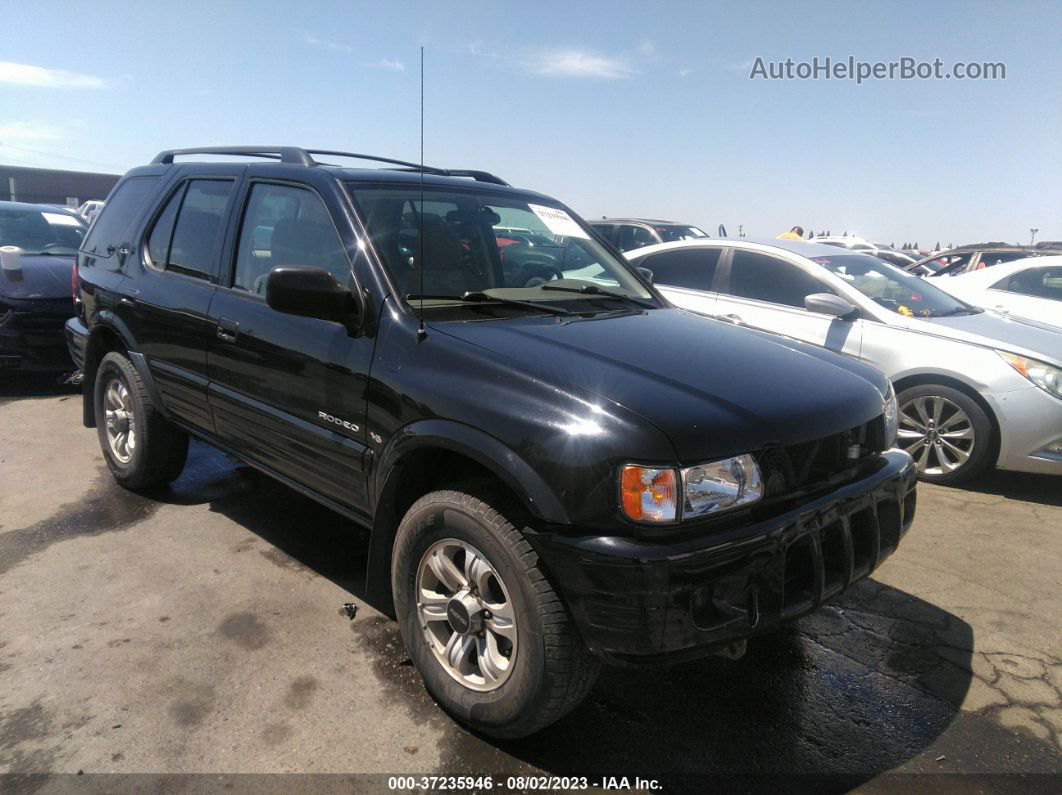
[[615, 108]]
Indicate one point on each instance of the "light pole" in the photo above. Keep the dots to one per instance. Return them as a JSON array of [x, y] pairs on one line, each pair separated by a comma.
[[1032, 236]]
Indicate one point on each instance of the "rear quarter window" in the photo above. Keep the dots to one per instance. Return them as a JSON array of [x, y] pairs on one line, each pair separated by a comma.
[[123, 207]]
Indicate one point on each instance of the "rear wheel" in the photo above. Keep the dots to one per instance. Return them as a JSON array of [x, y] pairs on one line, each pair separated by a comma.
[[946, 432], [493, 642], [141, 448]]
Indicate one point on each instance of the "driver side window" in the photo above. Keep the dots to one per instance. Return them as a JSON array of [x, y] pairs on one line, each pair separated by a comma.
[[286, 226], [764, 278]]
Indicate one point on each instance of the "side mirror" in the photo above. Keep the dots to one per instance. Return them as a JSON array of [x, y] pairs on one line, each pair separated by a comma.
[[646, 274], [310, 292], [830, 304]]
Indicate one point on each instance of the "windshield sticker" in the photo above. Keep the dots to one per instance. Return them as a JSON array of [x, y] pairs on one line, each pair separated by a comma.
[[558, 222], [57, 219]]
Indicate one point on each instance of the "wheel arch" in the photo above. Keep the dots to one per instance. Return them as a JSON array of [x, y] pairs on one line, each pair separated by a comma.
[[432, 454], [108, 334], [943, 379]]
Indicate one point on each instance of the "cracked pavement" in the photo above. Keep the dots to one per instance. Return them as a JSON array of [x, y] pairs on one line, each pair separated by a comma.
[[197, 630]]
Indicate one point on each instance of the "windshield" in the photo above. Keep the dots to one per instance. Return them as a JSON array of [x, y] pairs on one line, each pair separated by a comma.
[[673, 232], [40, 232], [459, 241], [903, 293]]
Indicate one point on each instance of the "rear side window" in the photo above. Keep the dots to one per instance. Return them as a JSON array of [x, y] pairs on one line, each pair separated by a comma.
[[1036, 282], [631, 237], [690, 268], [185, 236], [605, 230], [122, 208], [770, 279]]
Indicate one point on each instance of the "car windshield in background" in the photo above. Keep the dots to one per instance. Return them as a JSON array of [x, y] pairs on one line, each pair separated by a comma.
[[40, 232], [903, 293], [502, 247], [672, 232]]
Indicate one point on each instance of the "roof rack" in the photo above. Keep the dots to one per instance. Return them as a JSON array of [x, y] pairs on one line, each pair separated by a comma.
[[293, 155]]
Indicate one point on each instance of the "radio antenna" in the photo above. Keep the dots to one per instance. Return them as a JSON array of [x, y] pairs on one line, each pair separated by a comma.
[[422, 333]]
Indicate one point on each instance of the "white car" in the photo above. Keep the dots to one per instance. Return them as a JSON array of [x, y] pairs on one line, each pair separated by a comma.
[[1028, 288], [975, 388], [90, 209]]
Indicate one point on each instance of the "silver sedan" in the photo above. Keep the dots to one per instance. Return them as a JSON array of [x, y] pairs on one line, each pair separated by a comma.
[[975, 389]]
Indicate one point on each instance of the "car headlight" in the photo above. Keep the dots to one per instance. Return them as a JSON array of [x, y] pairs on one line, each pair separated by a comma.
[[720, 485], [892, 417], [1046, 376]]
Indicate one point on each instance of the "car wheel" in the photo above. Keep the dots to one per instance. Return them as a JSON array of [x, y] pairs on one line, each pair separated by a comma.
[[142, 449], [495, 645], [946, 432]]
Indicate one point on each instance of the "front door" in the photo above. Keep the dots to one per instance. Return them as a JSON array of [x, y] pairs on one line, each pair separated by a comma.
[[767, 292], [289, 391]]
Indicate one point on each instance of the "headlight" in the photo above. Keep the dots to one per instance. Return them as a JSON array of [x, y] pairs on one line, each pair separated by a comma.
[[709, 488], [648, 494], [1045, 376], [892, 417]]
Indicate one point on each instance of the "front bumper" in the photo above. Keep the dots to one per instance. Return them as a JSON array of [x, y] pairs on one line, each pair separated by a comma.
[[32, 340], [635, 601], [1030, 421]]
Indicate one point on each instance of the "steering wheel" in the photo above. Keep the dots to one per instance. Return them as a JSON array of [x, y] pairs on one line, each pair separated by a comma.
[[542, 274]]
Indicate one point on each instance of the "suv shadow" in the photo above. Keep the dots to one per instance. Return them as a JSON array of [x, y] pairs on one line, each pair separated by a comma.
[[870, 681], [15, 385]]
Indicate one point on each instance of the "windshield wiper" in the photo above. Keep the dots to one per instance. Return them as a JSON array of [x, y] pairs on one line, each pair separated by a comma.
[[597, 292], [475, 297], [961, 310]]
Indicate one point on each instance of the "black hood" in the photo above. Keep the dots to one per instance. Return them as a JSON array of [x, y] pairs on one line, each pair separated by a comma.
[[38, 278], [715, 389]]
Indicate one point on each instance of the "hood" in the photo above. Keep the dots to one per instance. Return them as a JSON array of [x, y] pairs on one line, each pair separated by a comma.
[[1001, 332], [715, 389], [39, 278]]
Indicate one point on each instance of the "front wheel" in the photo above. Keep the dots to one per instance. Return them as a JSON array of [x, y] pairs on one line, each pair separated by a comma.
[[946, 432], [493, 642]]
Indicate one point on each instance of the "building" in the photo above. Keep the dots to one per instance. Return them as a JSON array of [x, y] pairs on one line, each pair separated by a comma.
[[53, 186]]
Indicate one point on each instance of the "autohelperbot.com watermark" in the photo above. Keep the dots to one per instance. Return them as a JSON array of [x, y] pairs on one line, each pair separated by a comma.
[[850, 68]]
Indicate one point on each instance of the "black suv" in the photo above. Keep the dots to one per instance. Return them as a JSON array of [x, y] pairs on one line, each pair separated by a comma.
[[553, 474]]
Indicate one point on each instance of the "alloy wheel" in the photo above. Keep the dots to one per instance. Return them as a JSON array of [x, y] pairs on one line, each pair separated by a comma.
[[937, 433], [466, 615], [118, 415]]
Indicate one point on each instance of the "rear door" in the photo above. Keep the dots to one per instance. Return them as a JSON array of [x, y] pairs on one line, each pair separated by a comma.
[[767, 292], [288, 391], [165, 303]]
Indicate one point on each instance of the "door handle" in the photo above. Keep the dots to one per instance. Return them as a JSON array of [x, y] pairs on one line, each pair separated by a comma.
[[735, 319], [227, 330]]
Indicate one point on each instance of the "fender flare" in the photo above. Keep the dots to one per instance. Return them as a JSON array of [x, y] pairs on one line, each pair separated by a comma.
[[479, 446], [108, 320]]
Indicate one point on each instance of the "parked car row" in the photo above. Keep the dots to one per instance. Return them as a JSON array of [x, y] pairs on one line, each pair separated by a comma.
[[976, 389]]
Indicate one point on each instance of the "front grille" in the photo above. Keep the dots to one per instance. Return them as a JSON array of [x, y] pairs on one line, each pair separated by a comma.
[[798, 467]]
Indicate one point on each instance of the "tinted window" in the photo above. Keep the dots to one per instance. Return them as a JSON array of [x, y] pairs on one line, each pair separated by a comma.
[[631, 237], [770, 279], [1037, 282], [605, 230], [999, 257], [289, 226], [692, 268], [162, 232], [674, 232], [195, 236], [122, 207]]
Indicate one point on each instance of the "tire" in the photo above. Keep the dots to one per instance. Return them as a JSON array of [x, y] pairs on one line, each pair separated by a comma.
[[549, 670], [965, 448], [158, 450]]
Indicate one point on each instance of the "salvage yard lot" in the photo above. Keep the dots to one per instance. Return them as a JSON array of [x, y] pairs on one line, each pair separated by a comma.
[[198, 630]]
